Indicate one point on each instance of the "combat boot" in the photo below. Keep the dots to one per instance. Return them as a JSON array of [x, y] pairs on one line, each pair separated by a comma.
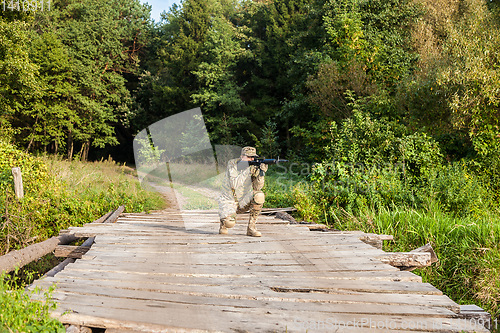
[[222, 229], [251, 229]]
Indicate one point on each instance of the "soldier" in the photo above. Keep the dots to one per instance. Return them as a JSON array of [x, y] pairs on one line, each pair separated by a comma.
[[241, 190]]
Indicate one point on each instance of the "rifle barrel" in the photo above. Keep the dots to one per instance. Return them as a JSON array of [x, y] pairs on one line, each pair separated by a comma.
[[266, 161]]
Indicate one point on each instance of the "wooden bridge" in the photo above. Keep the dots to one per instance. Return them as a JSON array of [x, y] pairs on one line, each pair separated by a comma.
[[173, 272]]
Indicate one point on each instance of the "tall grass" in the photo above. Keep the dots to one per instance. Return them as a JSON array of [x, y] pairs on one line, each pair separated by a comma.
[[94, 188], [58, 194], [71, 194], [451, 209], [468, 249]]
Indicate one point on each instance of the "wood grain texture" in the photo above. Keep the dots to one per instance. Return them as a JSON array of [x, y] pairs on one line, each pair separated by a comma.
[[173, 272]]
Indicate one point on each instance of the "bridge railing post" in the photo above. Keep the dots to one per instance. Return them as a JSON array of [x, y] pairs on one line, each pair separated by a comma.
[[18, 183]]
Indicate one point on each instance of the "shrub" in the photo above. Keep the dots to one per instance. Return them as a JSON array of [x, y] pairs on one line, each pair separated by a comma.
[[21, 314], [34, 171], [373, 163], [460, 191], [60, 194], [487, 160]]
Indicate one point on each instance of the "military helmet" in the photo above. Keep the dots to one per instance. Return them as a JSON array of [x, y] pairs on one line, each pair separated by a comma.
[[249, 151]]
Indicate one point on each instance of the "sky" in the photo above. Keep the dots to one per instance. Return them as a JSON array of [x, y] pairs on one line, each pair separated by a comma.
[[158, 6]]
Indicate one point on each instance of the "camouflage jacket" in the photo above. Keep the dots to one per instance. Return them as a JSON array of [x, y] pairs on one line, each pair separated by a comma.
[[240, 184]]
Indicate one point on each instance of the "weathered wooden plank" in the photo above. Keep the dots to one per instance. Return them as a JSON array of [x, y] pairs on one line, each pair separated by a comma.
[[110, 312], [200, 297], [406, 259], [285, 284], [476, 314], [375, 240], [218, 257], [70, 251], [211, 269], [207, 239], [427, 248], [313, 265], [144, 240], [221, 258], [114, 216], [232, 291], [241, 279], [59, 267], [230, 249]]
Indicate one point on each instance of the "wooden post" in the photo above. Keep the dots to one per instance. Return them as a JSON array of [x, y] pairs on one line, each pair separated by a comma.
[[18, 183]]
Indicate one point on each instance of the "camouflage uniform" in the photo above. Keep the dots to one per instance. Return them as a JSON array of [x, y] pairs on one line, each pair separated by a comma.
[[241, 191]]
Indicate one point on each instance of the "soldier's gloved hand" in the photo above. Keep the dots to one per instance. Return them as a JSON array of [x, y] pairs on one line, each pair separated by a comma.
[[263, 167]]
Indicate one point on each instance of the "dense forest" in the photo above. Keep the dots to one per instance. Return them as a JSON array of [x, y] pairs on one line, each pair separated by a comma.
[[388, 109], [79, 77]]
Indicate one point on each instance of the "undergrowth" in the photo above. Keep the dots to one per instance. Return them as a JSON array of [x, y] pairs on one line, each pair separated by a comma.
[[57, 194], [21, 314]]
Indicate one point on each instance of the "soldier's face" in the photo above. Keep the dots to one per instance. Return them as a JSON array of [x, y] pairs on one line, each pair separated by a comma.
[[247, 158]]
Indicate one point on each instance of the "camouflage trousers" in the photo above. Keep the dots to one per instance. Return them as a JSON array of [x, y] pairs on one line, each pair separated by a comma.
[[229, 208]]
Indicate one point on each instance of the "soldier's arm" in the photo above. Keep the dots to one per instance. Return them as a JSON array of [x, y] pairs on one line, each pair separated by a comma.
[[232, 174], [258, 177]]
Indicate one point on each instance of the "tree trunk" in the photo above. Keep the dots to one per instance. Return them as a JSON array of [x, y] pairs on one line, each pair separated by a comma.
[[70, 145], [85, 153], [24, 256]]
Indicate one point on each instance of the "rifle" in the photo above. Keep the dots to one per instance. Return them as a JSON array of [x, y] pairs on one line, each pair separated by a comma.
[[267, 161]]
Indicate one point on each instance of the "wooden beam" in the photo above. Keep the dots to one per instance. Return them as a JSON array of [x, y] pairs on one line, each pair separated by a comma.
[[406, 259], [103, 218], [269, 211], [20, 258], [113, 217], [75, 252], [427, 248], [70, 251], [59, 267], [375, 240]]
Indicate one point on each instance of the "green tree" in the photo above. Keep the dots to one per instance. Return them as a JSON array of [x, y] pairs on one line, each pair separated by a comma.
[[454, 94], [19, 84], [52, 117], [287, 45], [174, 54], [103, 40], [220, 89]]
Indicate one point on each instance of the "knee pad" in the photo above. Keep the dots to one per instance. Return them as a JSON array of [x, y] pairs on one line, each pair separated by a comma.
[[229, 221], [259, 198]]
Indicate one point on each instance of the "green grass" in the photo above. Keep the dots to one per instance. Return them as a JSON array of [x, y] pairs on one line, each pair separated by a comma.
[[68, 194], [467, 248], [21, 314], [98, 187], [73, 193]]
